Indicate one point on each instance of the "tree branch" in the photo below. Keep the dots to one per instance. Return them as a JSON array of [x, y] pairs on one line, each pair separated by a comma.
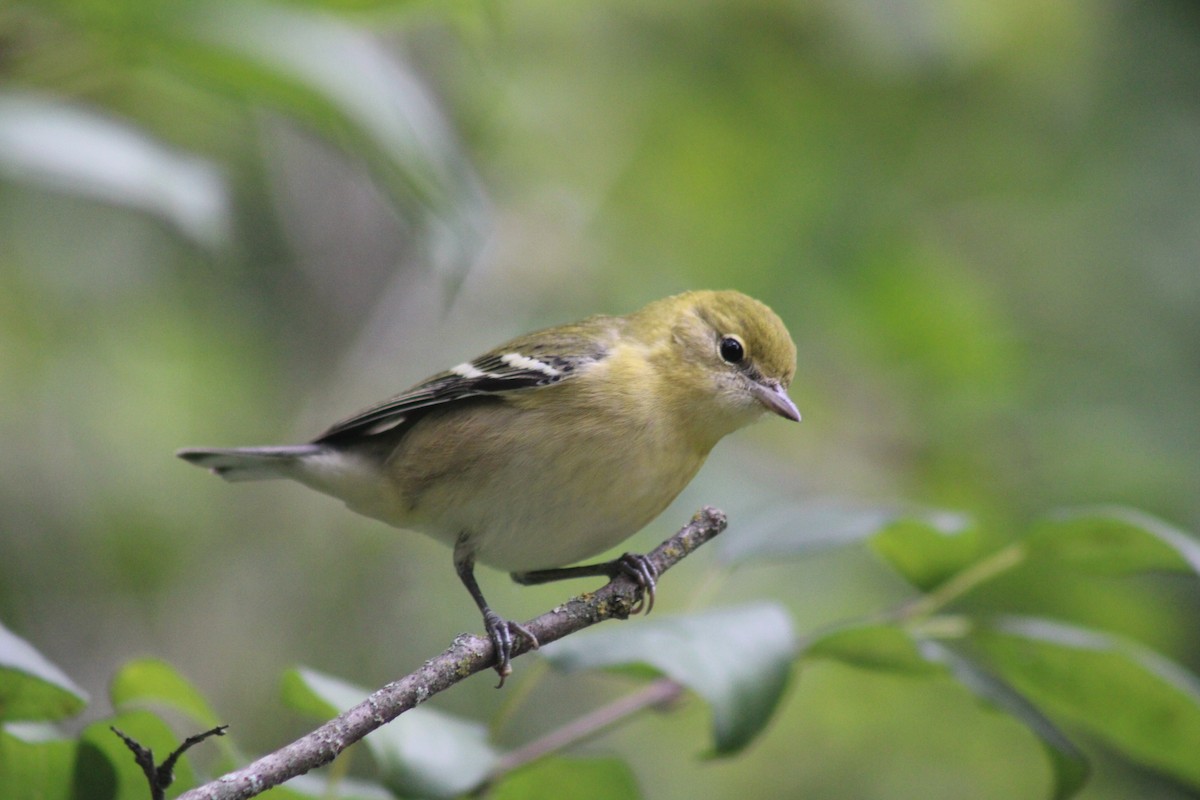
[[161, 776], [466, 656], [660, 693]]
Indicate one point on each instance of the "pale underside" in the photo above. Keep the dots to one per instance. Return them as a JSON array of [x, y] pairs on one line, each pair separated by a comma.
[[519, 514]]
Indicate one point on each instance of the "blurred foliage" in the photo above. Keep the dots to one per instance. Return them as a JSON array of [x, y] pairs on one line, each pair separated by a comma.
[[738, 660], [228, 223]]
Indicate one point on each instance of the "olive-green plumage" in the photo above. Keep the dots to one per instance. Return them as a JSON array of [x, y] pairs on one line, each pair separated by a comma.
[[552, 447]]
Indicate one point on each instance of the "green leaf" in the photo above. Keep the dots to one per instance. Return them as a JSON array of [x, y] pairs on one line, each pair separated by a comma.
[[892, 648], [1068, 765], [737, 659], [149, 681], [106, 769], [31, 688], [311, 693], [345, 84], [799, 530], [1114, 540], [35, 762], [423, 752], [929, 549], [570, 779], [71, 149], [1143, 704], [876, 646]]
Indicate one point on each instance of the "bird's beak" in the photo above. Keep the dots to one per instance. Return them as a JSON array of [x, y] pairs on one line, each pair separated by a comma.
[[774, 397]]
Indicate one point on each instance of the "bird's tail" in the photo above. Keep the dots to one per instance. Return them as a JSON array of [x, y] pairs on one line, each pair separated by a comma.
[[250, 463]]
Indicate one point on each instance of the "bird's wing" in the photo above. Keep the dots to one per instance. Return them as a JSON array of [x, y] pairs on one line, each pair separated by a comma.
[[527, 363]]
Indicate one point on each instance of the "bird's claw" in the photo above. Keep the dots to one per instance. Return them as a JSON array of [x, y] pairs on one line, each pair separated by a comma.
[[643, 572], [504, 634]]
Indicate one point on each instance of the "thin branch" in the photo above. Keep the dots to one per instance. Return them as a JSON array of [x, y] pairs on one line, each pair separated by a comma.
[[161, 776], [466, 656], [658, 693], [961, 583]]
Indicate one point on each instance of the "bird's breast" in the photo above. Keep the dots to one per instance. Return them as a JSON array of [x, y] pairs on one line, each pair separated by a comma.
[[538, 495]]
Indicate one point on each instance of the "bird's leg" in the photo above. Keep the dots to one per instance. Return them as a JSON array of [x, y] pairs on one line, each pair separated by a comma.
[[633, 565], [502, 632]]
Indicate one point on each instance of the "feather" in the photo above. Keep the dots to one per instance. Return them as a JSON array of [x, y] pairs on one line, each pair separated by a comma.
[[530, 362]]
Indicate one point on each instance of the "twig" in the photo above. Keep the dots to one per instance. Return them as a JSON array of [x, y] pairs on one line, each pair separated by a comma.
[[161, 776], [658, 693], [466, 656], [961, 583]]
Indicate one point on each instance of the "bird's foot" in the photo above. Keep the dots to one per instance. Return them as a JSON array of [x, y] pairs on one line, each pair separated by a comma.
[[643, 572], [504, 634]]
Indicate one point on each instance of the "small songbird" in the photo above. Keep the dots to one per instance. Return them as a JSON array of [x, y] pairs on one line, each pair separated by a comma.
[[551, 448]]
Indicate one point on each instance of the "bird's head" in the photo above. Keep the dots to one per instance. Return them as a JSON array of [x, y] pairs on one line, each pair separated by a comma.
[[733, 358]]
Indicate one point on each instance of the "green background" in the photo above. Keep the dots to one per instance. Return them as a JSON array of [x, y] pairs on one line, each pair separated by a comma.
[[980, 222]]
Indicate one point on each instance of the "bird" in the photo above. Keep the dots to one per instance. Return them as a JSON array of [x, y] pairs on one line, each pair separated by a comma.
[[553, 447]]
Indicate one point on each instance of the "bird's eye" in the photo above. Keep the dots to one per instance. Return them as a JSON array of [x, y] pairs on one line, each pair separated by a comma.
[[732, 349]]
